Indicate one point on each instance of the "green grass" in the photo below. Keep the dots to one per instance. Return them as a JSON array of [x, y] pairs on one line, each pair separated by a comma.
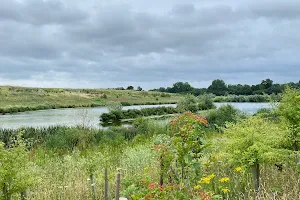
[[19, 99]]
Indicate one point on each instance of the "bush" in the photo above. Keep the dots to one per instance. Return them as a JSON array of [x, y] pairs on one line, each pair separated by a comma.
[[114, 106], [126, 104], [267, 113], [205, 102], [135, 113], [226, 113], [189, 103], [246, 98], [16, 172]]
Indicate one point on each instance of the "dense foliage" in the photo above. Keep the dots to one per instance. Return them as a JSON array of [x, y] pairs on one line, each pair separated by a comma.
[[115, 116], [219, 117], [220, 88]]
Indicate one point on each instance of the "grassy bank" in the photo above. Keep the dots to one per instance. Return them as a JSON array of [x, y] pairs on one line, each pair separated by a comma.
[[247, 98], [20, 99]]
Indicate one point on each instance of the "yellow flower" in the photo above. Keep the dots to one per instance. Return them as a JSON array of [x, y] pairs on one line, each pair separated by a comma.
[[206, 180], [146, 169], [224, 180], [225, 190], [196, 187], [182, 184], [238, 169], [211, 176]]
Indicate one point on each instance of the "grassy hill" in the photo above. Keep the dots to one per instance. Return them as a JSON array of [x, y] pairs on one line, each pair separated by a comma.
[[19, 99]]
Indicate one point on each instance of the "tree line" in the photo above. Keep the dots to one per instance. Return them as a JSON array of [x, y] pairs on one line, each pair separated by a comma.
[[220, 88]]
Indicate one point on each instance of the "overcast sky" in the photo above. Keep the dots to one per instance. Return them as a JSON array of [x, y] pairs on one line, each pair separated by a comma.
[[114, 43]]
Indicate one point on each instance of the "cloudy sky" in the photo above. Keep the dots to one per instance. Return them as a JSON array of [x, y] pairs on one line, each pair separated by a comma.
[[112, 43]]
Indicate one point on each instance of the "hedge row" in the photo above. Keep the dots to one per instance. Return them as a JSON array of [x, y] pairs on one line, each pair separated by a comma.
[[242, 98], [146, 103], [135, 113], [17, 109]]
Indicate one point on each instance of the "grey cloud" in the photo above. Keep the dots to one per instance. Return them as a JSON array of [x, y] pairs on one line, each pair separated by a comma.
[[279, 9], [111, 42], [40, 12]]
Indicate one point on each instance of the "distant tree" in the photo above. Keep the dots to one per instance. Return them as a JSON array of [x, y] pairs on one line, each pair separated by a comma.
[[239, 89], [139, 88], [181, 87], [218, 87], [265, 84], [130, 88], [256, 89], [162, 89], [120, 88], [199, 91], [275, 89], [170, 90]]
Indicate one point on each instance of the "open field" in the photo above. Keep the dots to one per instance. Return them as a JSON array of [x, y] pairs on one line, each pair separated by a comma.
[[18, 99]]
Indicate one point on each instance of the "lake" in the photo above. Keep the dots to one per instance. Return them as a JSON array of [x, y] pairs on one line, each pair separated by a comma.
[[250, 108], [87, 116]]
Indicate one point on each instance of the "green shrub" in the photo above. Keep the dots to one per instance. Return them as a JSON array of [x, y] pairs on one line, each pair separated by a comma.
[[16, 171], [135, 113], [189, 103], [226, 113], [126, 104], [205, 102], [114, 106], [268, 113]]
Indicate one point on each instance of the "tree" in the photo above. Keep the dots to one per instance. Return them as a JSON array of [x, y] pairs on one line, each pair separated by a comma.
[[218, 87], [181, 87], [139, 88], [130, 88], [162, 89], [199, 91], [265, 84], [274, 89], [289, 109]]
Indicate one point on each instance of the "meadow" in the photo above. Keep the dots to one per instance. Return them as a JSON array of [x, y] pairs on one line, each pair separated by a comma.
[[19, 99]]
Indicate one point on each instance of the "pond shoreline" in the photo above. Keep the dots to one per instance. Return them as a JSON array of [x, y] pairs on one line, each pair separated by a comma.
[[22, 109], [87, 116]]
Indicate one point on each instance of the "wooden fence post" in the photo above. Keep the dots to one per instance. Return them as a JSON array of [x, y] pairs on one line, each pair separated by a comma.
[[118, 181], [5, 192], [256, 176], [105, 185], [93, 187], [23, 195]]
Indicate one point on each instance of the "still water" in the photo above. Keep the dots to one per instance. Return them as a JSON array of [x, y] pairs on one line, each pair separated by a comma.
[[87, 116], [249, 108], [69, 117]]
